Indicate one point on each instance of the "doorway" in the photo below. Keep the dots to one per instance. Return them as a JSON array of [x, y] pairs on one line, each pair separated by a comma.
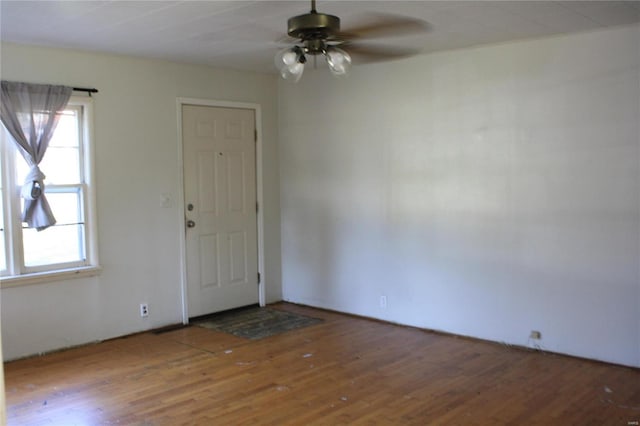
[[221, 220]]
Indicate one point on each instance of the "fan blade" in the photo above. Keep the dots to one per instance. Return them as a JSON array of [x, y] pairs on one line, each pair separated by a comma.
[[285, 40], [366, 53], [379, 25]]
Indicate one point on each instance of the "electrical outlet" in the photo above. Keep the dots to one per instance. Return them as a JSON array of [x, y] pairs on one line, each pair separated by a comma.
[[383, 302], [144, 310], [535, 334]]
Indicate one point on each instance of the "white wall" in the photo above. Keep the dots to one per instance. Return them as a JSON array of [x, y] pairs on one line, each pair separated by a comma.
[[136, 162], [486, 192]]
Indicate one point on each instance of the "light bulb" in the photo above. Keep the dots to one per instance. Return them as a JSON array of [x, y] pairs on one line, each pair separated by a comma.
[[339, 61], [289, 58]]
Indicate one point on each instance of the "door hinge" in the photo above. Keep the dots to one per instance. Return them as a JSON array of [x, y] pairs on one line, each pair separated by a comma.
[[257, 207], [259, 277], [255, 135]]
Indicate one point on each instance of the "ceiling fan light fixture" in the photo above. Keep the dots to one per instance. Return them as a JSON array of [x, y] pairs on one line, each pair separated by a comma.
[[293, 72], [338, 60], [320, 34], [290, 62]]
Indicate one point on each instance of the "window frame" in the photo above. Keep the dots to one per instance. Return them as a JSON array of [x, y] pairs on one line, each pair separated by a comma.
[[17, 273]]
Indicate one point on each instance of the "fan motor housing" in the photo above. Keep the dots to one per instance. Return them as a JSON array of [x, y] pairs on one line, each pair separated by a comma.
[[313, 25]]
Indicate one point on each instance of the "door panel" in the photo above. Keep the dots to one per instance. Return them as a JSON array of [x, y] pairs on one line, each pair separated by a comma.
[[209, 260], [220, 183]]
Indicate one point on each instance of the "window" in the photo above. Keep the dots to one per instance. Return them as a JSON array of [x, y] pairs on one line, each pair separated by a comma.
[[69, 246]]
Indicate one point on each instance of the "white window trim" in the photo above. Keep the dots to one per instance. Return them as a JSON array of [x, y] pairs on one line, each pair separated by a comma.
[[90, 267], [49, 276]]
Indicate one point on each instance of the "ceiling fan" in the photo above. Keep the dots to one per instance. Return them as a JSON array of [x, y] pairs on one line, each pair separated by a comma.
[[320, 34]]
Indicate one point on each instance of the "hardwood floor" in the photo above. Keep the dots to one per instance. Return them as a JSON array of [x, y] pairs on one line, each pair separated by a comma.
[[344, 371]]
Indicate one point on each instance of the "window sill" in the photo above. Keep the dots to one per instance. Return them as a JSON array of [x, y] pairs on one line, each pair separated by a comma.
[[46, 277]]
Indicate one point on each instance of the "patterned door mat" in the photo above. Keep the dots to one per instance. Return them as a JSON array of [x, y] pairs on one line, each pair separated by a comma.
[[255, 322]]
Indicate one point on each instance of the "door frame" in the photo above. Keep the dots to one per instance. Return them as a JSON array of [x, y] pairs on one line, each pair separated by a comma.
[[181, 196]]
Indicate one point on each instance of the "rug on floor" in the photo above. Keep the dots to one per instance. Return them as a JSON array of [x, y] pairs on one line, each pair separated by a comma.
[[255, 322]]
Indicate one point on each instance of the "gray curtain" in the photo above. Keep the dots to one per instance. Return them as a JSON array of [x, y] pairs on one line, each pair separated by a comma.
[[30, 113]]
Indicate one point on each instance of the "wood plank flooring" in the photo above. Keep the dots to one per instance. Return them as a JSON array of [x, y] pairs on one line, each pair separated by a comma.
[[344, 371]]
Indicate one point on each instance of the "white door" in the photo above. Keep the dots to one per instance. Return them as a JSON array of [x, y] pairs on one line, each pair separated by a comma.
[[220, 208]]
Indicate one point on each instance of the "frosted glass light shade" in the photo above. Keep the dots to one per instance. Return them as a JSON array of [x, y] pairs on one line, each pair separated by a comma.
[[290, 64], [293, 72], [339, 61]]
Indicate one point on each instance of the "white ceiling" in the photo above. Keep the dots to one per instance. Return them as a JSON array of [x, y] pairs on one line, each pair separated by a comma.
[[245, 34]]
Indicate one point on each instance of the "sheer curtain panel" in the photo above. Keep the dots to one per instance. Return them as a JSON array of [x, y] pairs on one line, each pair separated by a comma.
[[30, 113]]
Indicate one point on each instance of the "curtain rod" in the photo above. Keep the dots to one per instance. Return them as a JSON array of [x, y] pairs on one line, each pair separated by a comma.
[[85, 89]]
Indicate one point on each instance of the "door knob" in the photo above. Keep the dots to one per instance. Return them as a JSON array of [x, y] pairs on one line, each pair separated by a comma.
[[191, 224]]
